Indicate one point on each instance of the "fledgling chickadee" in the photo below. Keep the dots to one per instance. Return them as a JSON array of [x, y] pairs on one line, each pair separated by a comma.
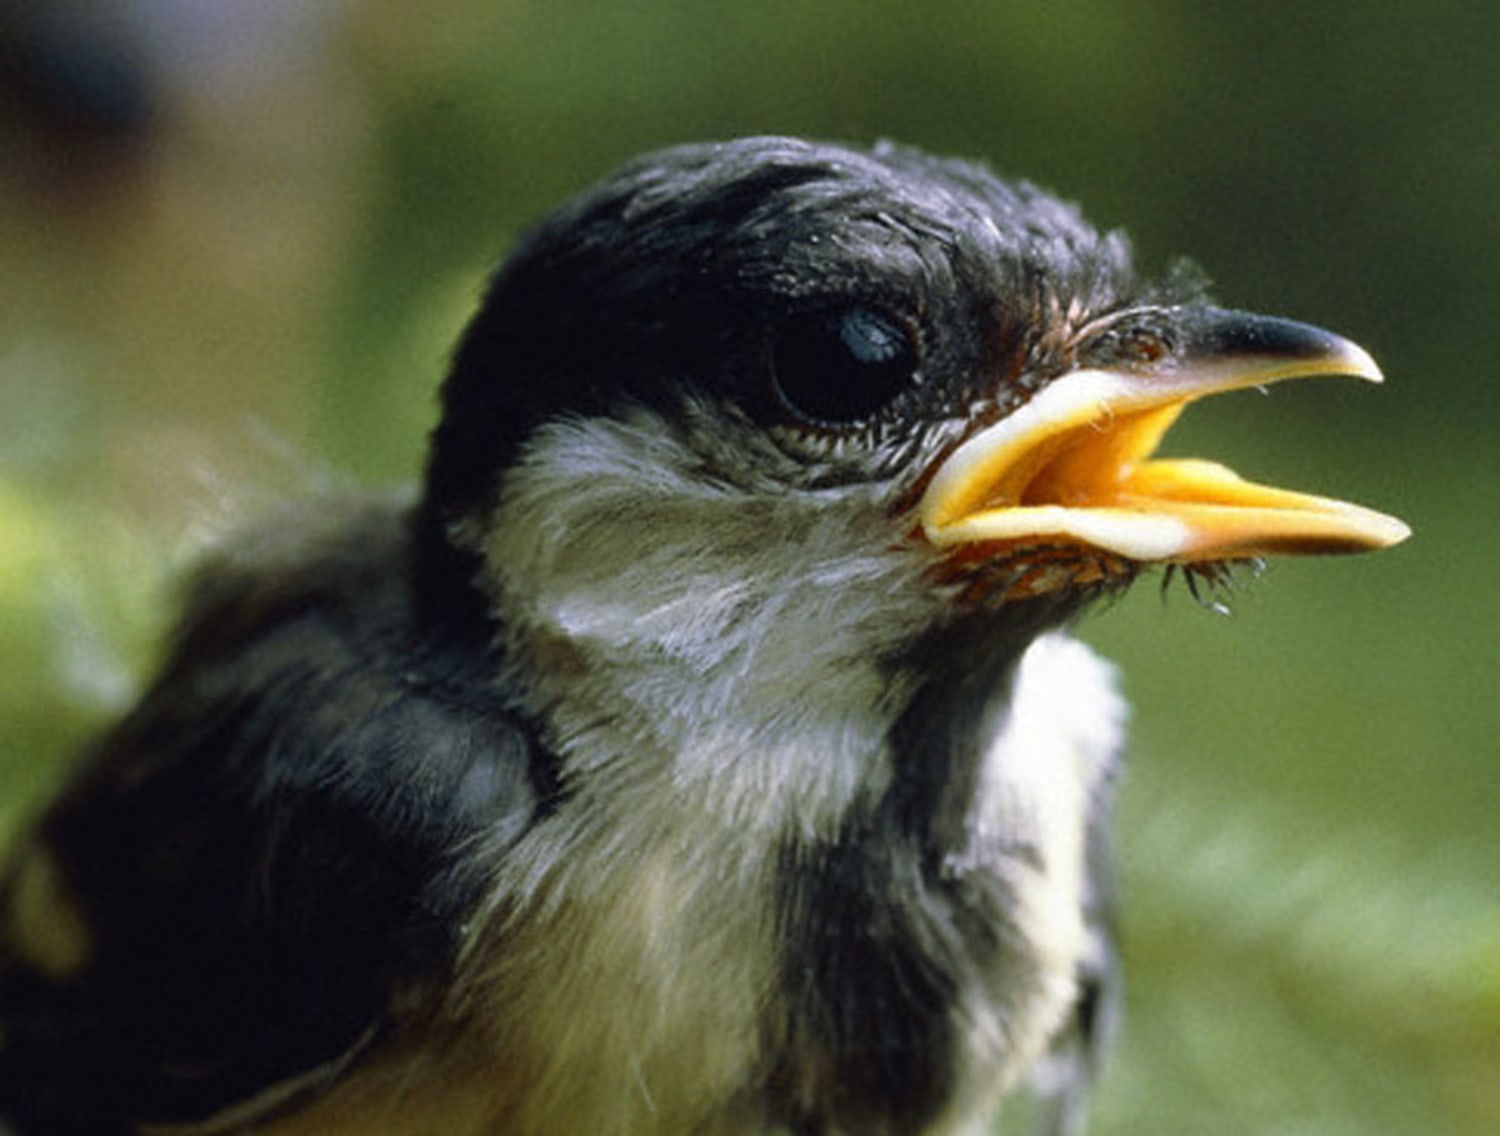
[[702, 749]]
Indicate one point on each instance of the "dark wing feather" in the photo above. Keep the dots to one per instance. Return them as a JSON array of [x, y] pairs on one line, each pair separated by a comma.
[[265, 850]]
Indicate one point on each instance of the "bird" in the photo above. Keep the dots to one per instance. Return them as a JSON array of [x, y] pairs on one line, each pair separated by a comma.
[[704, 745]]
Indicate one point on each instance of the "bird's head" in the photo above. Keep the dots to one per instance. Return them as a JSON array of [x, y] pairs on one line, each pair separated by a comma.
[[735, 370]]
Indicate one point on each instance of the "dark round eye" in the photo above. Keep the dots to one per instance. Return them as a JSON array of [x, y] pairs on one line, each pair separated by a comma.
[[842, 365]]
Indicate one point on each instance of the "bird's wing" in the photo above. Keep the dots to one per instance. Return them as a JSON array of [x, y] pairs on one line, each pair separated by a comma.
[[254, 863]]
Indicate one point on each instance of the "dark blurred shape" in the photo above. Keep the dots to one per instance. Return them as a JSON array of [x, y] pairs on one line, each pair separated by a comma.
[[76, 95]]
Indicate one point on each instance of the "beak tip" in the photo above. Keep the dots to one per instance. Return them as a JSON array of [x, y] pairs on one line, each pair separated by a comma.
[[1397, 531], [1360, 363]]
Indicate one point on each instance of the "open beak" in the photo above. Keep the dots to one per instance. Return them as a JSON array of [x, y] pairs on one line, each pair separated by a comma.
[[1073, 466]]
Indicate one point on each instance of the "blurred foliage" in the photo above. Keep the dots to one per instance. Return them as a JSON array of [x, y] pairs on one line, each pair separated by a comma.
[[251, 273]]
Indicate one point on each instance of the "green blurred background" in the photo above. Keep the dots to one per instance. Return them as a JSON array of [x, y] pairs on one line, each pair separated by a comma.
[[236, 240]]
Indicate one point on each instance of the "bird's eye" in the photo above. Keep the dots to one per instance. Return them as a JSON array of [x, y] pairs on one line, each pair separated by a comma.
[[840, 366]]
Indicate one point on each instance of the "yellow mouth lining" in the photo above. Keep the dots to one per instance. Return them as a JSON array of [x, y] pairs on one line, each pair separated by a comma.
[[1073, 466]]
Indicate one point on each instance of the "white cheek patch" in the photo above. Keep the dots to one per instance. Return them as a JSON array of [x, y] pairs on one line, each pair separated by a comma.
[[732, 634]]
